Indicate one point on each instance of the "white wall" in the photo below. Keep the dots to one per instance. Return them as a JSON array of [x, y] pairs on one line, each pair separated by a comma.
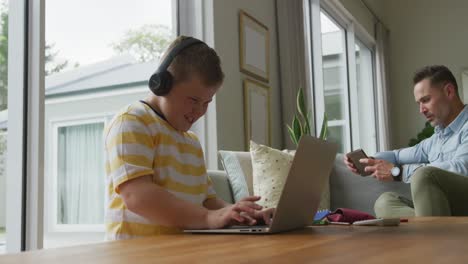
[[229, 100], [422, 32]]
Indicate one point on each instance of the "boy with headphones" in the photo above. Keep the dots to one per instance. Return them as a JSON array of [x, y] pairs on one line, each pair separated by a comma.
[[156, 175]]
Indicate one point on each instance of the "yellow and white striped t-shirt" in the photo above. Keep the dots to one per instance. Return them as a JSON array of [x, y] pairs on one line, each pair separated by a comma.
[[138, 142]]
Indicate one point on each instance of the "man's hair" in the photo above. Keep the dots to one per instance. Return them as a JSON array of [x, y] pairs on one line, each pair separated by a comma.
[[199, 60], [436, 74]]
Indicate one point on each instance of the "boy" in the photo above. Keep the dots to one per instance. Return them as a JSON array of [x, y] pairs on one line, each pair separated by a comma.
[[156, 176]]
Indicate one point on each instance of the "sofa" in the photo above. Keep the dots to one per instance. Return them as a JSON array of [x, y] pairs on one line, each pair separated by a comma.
[[347, 190]]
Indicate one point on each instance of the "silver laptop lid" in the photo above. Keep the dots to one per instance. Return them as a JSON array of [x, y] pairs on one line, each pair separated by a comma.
[[303, 187]]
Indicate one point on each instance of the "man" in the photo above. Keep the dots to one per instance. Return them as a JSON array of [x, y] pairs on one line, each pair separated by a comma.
[[437, 167]]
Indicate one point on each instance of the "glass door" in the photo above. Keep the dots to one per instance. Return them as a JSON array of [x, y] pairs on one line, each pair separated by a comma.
[[99, 57]]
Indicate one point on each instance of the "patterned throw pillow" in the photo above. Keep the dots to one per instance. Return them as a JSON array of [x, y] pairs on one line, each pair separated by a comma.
[[270, 169]]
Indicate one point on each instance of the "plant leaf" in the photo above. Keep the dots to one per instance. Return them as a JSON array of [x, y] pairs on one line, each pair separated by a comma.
[[301, 108], [291, 135], [324, 129], [307, 124], [297, 128]]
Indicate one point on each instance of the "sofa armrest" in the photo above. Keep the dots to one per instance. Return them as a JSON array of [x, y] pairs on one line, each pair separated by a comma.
[[221, 185]]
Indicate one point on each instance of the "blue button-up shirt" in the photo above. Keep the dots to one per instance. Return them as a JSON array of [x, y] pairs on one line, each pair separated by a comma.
[[446, 149]]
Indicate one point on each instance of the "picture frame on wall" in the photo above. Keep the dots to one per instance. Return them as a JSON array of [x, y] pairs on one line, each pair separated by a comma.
[[254, 54], [257, 119]]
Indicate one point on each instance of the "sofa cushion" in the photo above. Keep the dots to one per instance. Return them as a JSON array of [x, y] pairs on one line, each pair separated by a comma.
[[238, 166], [221, 185], [349, 190]]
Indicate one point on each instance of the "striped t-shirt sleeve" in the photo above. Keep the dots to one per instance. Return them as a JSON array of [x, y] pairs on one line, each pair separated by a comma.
[[129, 147]]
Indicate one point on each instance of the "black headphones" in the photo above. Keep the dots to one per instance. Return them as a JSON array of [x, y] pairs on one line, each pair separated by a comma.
[[160, 83]]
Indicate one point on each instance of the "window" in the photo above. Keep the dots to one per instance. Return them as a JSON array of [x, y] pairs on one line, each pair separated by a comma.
[[3, 118], [343, 77], [364, 118], [80, 170], [99, 56], [335, 81]]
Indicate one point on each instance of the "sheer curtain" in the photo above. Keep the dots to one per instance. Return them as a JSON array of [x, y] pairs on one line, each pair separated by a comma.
[[383, 93], [80, 177]]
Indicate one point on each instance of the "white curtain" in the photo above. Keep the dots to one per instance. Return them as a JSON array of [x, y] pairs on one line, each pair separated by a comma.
[[292, 59], [80, 178], [383, 92]]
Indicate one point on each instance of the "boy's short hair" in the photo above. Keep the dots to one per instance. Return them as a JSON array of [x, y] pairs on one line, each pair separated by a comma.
[[436, 74], [197, 59]]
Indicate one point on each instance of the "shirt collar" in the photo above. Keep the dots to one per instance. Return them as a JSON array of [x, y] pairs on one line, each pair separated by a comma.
[[456, 124]]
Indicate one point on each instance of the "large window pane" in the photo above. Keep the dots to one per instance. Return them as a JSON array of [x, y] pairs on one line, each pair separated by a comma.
[[365, 109], [99, 56], [335, 83], [3, 117]]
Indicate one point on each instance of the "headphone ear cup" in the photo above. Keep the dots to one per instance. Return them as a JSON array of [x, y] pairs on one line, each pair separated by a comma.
[[160, 83], [166, 83]]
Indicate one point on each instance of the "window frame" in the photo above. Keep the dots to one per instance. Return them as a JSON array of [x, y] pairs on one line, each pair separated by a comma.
[[25, 112]]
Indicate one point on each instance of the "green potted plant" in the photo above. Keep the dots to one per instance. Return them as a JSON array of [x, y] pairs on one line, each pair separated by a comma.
[[426, 132], [301, 121]]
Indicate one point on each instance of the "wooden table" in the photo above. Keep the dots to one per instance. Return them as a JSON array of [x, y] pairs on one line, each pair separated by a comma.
[[421, 240]]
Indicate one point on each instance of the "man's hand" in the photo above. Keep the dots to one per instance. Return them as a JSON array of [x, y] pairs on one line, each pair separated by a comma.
[[349, 164], [380, 169], [240, 212]]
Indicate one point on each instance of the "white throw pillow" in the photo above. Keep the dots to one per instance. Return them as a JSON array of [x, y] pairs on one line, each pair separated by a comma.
[[238, 167], [270, 169]]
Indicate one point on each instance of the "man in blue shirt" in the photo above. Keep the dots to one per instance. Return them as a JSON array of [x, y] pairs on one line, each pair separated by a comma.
[[437, 167]]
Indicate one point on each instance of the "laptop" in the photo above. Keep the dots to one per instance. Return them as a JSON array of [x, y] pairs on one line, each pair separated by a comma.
[[301, 193]]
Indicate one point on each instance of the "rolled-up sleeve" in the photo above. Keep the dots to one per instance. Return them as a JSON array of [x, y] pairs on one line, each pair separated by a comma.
[[410, 158]]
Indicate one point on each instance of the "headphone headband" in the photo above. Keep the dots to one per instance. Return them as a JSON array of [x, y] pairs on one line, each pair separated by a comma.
[[175, 51], [160, 82]]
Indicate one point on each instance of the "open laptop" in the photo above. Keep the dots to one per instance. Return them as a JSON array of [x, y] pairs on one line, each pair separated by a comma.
[[301, 193]]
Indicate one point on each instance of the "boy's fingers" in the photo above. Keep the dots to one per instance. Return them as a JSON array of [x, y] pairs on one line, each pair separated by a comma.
[[236, 216], [250, 204], [250, 220], [245, 208], [266, 218], [252, 198], [253, 205], [267, 215]]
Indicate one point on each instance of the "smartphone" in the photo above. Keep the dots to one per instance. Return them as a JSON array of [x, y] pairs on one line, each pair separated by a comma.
[[355, 156], [379, 222]]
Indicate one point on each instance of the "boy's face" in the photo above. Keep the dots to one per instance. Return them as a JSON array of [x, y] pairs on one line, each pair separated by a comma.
[[186, 103]]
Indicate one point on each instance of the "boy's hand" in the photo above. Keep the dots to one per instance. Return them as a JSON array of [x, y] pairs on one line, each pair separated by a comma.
[[265, 215], [239, 212]]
